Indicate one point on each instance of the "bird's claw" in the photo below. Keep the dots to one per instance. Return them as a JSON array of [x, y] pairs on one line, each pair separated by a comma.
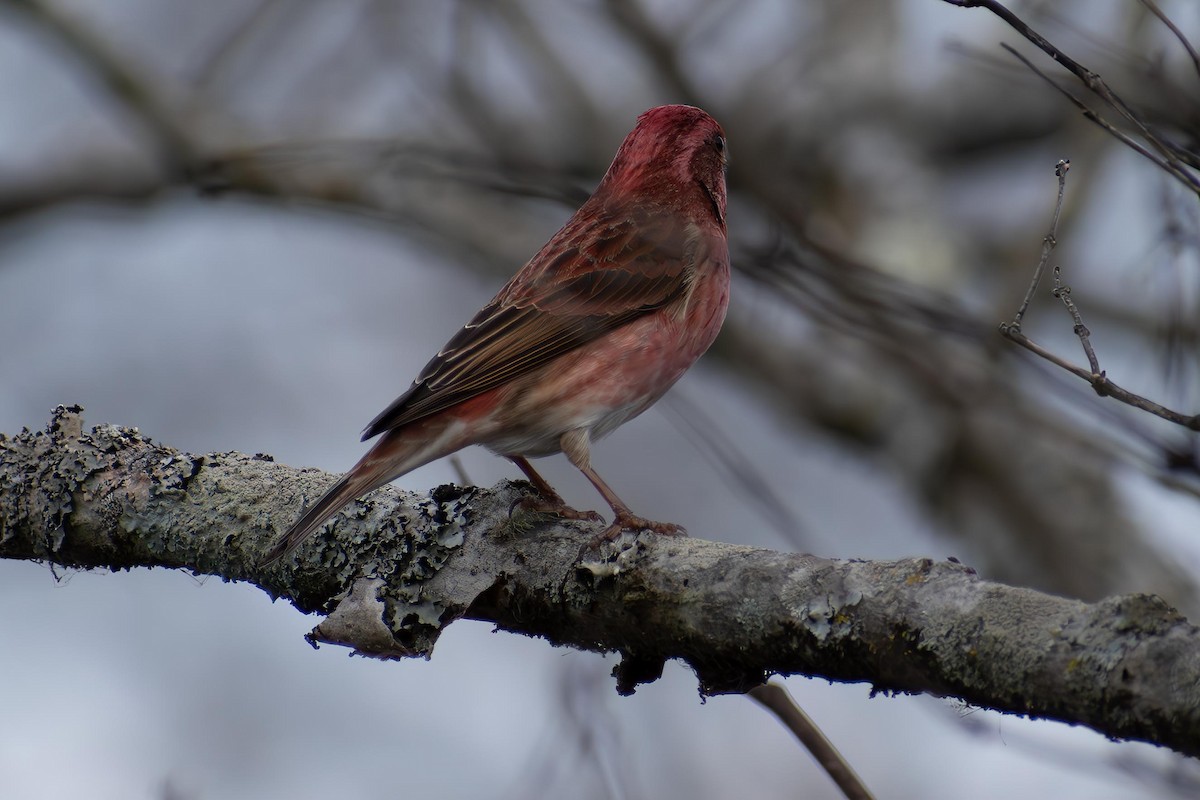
[[554, 506], [632, 522]]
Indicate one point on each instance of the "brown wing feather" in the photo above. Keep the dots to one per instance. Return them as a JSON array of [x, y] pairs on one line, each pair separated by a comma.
[[578, 287]]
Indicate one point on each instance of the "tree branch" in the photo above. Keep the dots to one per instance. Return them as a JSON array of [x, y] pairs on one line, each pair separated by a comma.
[[1168, 150], [1097, 377], [775, 698], [170, 136], [396, 568]]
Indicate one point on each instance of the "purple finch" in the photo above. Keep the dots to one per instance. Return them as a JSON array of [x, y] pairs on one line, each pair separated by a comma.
[[592, 331]]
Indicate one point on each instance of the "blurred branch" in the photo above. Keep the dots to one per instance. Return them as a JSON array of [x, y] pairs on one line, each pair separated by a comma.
[[1169, 166], [18, 198], [1169, 152], [397, 568], [175, 148], [207, 72], [341, 175], [776, 699], [737, 468], [658, 48], [1171, 26]]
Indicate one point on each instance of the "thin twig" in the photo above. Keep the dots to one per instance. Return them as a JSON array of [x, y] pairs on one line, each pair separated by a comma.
[[1168, 165], [1191, 51], [1063, 292], [1103, 386], [736, 467], [1090, 79], [776, 699], [1095, 84], [1095, 376], [460, 471], [1048, 242]]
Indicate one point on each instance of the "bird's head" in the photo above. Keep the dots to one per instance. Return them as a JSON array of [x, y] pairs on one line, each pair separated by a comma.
[[676, 156]]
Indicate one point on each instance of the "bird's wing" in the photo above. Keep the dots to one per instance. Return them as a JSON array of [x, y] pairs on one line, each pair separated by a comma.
[[587, 280]]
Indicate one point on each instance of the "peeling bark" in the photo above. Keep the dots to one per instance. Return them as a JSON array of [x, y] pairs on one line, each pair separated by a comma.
[[395, 568]]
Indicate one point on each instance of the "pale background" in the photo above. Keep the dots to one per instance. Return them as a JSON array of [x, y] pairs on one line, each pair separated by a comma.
[[261, 324]]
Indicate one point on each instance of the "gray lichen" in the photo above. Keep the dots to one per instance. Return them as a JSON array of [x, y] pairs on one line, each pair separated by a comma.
[[392, 570]]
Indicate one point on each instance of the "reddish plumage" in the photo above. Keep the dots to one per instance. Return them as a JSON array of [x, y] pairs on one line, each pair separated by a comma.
[[586, 336]]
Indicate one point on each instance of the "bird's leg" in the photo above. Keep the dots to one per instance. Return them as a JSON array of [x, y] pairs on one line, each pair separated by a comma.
[[541, 484], [576, 445], [550, 502]]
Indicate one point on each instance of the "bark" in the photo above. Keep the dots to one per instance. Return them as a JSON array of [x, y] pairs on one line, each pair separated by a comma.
[[396, 568]]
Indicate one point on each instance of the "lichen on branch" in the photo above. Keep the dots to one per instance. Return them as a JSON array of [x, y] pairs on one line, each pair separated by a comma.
[[395, 568]]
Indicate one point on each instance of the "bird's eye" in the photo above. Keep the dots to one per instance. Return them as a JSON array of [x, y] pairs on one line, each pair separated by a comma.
[[718, 143]]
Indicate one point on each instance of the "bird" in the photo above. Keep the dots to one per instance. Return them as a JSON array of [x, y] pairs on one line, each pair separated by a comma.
[[587, 335]]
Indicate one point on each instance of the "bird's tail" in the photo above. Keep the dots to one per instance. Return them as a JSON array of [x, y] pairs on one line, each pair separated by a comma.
[[348, 487], [398, 452]]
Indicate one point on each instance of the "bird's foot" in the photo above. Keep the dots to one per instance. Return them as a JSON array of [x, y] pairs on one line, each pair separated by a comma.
[[626, 521], [554, 506]]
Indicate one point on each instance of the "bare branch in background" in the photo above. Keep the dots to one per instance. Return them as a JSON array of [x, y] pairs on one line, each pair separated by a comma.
[[658, 49], [1169, 151], [736, 467], [169, 134], [1095, 376], [1063, 292], [1176, 170], [1048, 242], [779, 702], [207, 73], [1183, 40]]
